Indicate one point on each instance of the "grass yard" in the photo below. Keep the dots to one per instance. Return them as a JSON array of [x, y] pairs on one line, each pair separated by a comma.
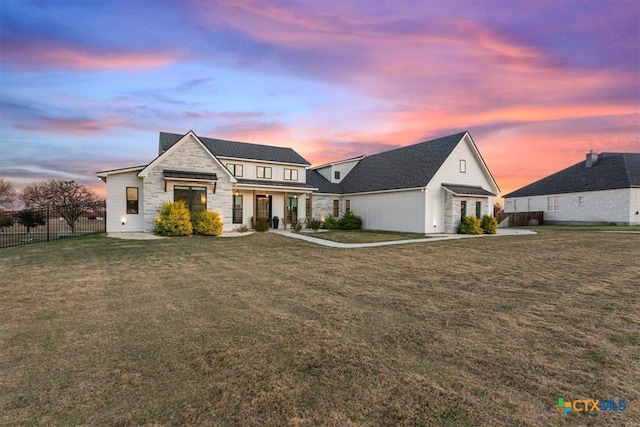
[[362, 236], [267, 330]]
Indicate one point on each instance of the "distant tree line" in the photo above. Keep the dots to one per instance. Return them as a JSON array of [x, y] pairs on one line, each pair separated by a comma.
[[68, 198]]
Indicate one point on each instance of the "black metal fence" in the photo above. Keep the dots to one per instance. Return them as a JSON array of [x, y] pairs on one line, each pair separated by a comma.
[[44, 225]]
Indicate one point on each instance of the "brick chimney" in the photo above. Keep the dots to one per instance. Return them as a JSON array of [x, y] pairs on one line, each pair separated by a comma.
[[592, 158]]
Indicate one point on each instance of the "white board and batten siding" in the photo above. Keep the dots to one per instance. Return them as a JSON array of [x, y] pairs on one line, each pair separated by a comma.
[[402, 211], [117, 184]]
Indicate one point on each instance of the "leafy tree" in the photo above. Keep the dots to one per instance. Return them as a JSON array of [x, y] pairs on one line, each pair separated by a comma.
[[7, 195], [30, 218], [68, 198], [6, 221]]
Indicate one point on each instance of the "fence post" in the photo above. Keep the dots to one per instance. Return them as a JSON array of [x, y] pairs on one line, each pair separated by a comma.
[[48, 226]]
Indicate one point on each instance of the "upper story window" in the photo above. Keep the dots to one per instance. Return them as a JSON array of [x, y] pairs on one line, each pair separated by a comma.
[[336, 175], [291, 174], [463, 166], [263, 172], [235, 169]]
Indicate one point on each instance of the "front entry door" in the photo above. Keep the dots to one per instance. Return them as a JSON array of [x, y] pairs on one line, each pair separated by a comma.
[[263, 207]]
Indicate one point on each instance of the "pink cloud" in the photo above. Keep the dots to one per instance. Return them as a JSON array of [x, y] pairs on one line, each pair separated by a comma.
[[72, 126], [72, 57]]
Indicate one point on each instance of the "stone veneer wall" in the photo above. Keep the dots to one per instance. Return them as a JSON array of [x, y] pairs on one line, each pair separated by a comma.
[[322, 205], [190, 156], [452, 210]]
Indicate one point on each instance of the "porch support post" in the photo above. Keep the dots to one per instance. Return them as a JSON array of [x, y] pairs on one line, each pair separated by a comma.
[[284, 220], [255, 208]]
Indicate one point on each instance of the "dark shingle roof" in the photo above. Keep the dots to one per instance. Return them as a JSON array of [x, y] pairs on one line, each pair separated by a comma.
[[406, 167], [467, 190], [321, 183], [243, 150], [611, 170]]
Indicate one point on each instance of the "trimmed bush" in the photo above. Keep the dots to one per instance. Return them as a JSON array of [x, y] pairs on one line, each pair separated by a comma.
[[470, 225], [489, 224], [314, 224], [296, 226], [207, 223], [350, 221], [330, 223], [262, 224], [174, 220]]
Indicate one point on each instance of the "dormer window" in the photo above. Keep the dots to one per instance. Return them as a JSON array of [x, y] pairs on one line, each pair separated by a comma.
[[336, 175]]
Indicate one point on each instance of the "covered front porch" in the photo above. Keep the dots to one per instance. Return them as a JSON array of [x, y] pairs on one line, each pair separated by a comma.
[[280, 204]]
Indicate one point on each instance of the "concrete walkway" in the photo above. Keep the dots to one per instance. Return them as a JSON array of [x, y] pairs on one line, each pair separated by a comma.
[[308, 237]]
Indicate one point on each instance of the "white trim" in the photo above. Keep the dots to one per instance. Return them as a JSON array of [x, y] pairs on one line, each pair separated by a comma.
[[145, 172], [480, 160], [101, 174], [385, 191], [274, 188], [337, 163]]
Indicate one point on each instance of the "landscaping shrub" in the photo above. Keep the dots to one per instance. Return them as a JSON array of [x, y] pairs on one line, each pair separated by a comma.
[[350, 221], [470, 225], [174, 220], [207, 223], [330, 223], [314, 224], [489, 224], [262, 224], [242, 229], [296, 226]]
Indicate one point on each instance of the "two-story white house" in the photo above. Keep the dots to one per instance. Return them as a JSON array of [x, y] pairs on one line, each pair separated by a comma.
[[423, 188], [241, 181]]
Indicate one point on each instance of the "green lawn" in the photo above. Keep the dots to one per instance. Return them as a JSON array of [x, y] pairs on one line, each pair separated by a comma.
[[268, 330]]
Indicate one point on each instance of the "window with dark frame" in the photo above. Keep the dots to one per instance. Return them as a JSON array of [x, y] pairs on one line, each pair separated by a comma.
[[336, 175], [478, 209], [237, 209], [292, 210], [235, 169], [194, 197], [132, 200], [463, 209], [291, 174], [263, 172], [347, 207], [463, 166], [336, 208], [307, 207]]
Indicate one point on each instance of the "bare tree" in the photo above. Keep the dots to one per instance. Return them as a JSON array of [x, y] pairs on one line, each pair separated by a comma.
[[7, 195], [68, 198]]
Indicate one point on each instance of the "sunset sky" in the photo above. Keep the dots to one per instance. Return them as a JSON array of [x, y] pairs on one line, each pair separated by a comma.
[[88, 85]]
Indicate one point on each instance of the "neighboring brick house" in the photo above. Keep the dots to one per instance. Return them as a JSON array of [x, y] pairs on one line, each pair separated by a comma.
[[423, 188], [602, 189]]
